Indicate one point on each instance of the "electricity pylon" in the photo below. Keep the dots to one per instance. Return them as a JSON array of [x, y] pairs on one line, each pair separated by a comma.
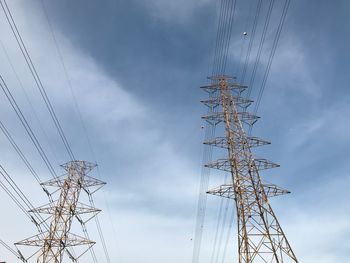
[[260, 236], [57, 238]]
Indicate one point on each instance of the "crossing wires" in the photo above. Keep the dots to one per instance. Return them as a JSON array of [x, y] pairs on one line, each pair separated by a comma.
[[17, 195], [49, 106], [11, 250], [77, 108], [261, 89], [34, 73], [247, 67], [219, 64]]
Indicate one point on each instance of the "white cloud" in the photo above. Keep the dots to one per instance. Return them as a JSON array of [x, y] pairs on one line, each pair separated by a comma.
[[291, 58], [174, 11], [331, 123], [318, 224], [122, 124], [125, 126]]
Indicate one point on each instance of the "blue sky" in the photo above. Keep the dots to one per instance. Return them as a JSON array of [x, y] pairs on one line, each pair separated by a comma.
[[135, 68]]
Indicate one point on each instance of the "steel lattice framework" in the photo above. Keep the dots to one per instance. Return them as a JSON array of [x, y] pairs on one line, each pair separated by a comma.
[[58, 239], [260, 236]]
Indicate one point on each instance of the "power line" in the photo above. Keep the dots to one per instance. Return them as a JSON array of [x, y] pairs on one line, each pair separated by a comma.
[[243, 39], [16, 254], [271, 57], [260, 48], [16, 191], [228, 35], [26, 126], [228, 235], [27, 206], [66, 75], [219, 67], [19, 152], [223, 35], [219, 31], [35, 75], [99, 229], [221, 214], [251, 40], [223, 224], [28, 100], [69, 82], [14, 199], [37, 145], [221, 49], [217, 231]]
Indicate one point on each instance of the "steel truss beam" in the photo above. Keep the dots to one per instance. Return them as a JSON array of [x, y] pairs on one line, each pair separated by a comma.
[[260, 236], [53, 242]]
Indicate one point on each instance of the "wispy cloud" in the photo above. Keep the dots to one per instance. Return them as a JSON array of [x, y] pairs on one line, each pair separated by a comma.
[[147, 177], [175, 11]]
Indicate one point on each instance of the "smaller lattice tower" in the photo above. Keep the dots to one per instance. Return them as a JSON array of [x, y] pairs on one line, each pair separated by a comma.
[[260, 236], [56, 239]]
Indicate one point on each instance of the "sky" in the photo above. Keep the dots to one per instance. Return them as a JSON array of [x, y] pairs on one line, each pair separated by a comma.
[[135, 68]]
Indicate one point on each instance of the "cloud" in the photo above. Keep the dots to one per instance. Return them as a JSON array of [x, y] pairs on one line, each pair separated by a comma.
[[330, 122], [317, 224], [174, 11], [152, 184], [147, 177]]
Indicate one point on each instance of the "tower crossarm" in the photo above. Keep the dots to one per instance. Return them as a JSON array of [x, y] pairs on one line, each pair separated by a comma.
[[217, 117], [221, 142], [243, 164], [215, 87], [216, 101], [79, 209], [88, 183], [226, 190], [40, 240], [263, 164]]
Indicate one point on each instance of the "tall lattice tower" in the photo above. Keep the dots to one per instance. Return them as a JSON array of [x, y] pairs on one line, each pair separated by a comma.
[[56, 239], [260, 236]]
